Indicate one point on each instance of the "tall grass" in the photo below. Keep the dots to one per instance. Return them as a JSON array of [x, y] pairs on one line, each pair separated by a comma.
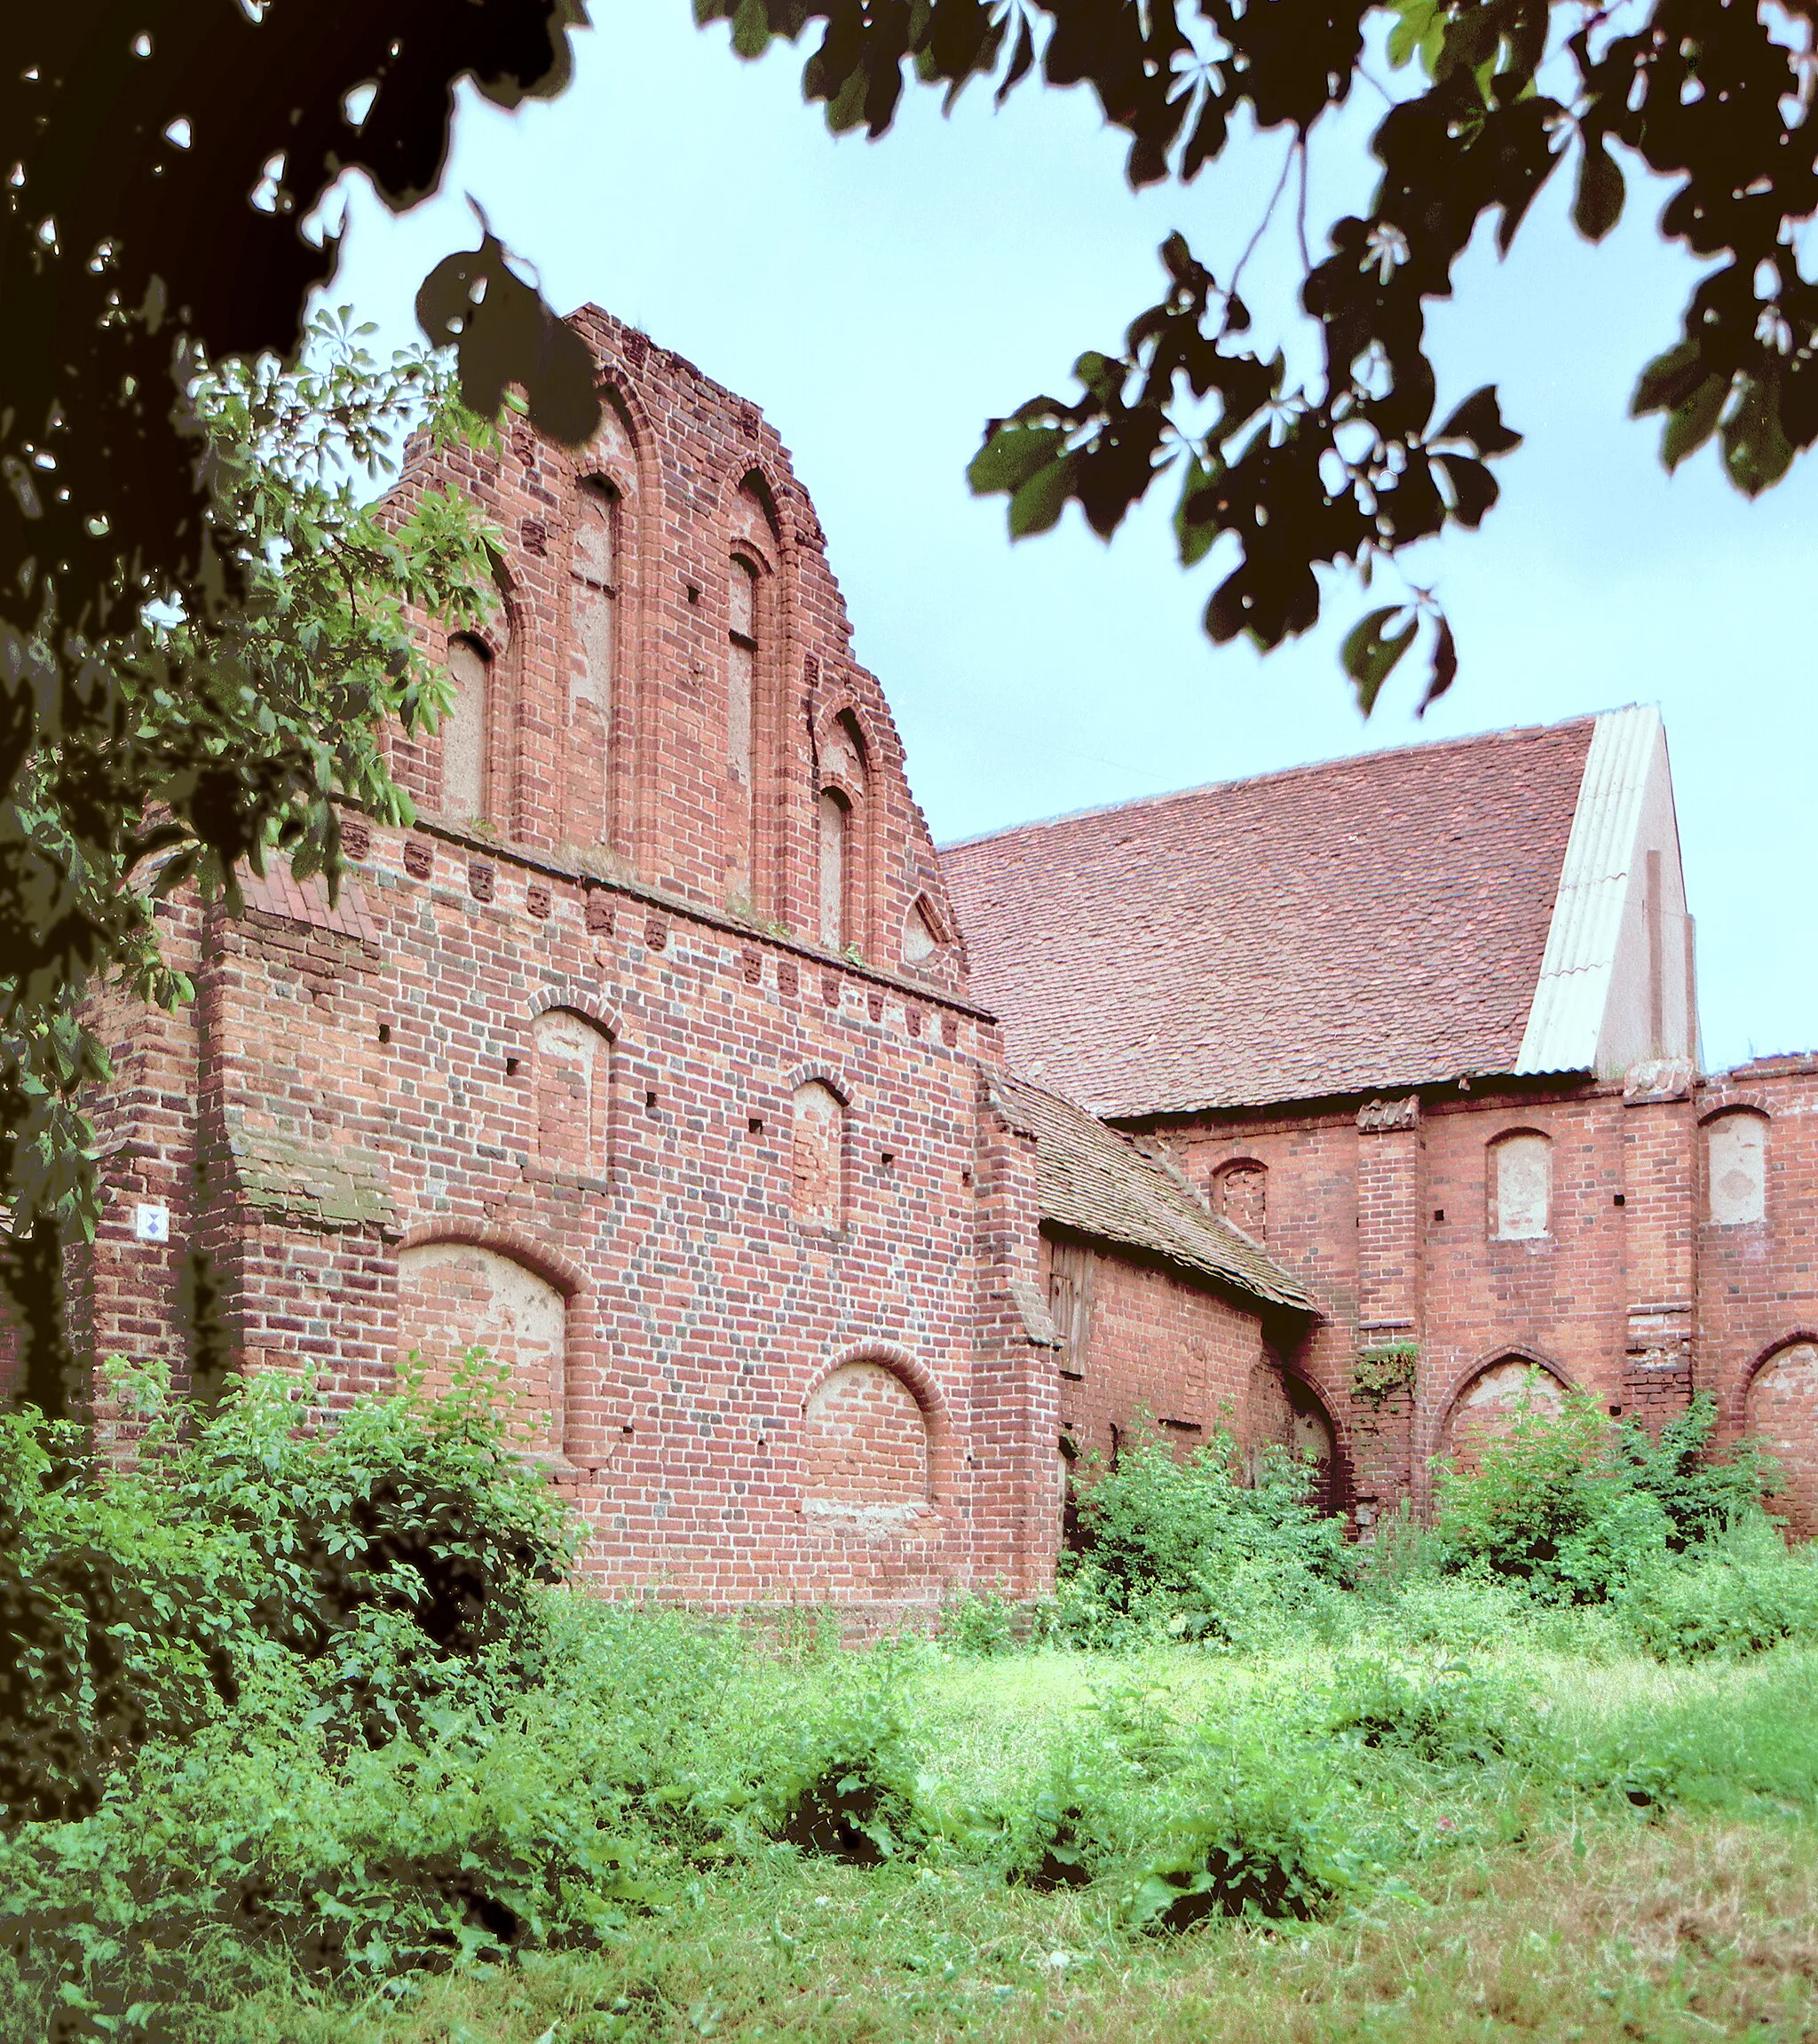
[[1393, 1802]]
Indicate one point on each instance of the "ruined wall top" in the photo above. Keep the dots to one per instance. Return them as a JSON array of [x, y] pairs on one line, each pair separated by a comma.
[[668, 691]]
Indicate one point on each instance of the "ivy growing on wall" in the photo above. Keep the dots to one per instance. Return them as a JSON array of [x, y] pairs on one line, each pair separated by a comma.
[[1381, 1369]]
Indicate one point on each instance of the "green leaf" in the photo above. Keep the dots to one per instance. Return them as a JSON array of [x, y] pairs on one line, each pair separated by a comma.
[[1668, 380], [1196, 520], [1692, 422], [751, 29], [1039, 503], [1011, 455], [1599, 204], [1370, 651], [1415, 21]]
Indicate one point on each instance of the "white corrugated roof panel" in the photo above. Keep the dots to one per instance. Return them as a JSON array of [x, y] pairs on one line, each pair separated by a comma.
[[1573, 990]]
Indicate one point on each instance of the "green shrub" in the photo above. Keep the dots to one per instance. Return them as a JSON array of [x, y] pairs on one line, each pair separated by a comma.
[[1737, 1594], [1700, 1496], [1550, 1504], [1579, 1510], [982, 1623], [1265, 1839], [1446, 1715], [398, 1859], [384, 1554], [1185, 1549], [119, 1621]]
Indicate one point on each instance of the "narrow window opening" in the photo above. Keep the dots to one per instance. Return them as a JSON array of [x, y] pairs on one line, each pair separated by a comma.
[[835, 849], [464, 731]]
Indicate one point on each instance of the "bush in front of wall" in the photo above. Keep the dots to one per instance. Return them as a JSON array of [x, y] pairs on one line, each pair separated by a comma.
[[384, 1555], [1188, 1550]]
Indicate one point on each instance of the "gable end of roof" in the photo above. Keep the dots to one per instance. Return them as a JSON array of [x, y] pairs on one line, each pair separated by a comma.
[[1572, 993]]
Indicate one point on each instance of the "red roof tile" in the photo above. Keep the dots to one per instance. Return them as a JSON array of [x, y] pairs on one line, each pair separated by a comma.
[[1097, 1182], [278, 891], [1366, 923]]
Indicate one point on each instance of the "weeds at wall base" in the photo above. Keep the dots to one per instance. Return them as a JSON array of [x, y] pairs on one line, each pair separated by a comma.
[[415, 1801]]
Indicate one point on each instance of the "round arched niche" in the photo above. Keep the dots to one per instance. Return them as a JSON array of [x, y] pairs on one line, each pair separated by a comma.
[[1780, 1410], [1489, 1403], [456, 1295], [868, 1457], [1735, 1157]]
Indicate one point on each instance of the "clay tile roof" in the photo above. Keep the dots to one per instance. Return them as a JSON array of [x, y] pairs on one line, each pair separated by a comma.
[[278, 891], [1098, 1182], [1342, 928]]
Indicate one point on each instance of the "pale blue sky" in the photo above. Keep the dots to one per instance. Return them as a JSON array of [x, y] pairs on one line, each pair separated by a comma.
[[881, 301]]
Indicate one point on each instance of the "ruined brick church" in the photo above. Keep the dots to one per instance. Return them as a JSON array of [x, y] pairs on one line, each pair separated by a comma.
[[827, 1193]]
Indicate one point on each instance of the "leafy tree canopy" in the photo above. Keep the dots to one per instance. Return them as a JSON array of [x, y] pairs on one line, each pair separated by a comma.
[[211, 740], [165, 699], [1484, 101], [202, 629]]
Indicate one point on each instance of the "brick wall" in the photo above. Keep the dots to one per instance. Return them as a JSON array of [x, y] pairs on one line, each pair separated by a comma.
[[1638, 1291], [642, 1078], [1148, 1349], [580, 1078]]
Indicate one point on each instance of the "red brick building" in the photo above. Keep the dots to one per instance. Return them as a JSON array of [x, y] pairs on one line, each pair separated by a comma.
[[647, 1059], [662, 1056], [1425, 1024]]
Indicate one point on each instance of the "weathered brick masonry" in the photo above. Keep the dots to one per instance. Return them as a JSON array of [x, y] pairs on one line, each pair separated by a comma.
[[645, 1059], [1424, 1024], [661, 1058]]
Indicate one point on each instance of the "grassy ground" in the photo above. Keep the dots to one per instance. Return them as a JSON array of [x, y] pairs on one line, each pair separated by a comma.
[[1501, 1901]]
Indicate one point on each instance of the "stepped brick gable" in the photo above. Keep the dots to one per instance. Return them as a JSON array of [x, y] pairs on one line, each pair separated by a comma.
[[645, 1060], [821, 1197]]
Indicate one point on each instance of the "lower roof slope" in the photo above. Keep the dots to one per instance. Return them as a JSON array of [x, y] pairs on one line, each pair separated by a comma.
[[1365, 923], [1095, 1182]]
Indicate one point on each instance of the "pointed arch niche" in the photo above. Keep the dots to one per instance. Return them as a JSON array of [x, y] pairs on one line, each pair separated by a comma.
[[602, 800], [754, 615], [1492, 1397], [1286, 1413], [843, 826], [1780, 1410]]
